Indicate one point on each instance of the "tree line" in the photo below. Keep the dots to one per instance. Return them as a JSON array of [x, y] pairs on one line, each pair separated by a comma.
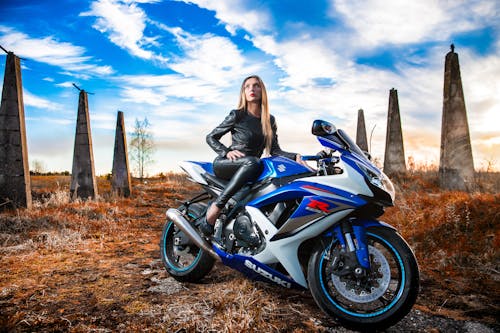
[[141, 151]]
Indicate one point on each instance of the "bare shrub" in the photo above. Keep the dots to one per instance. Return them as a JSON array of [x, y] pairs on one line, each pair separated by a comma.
[[487, 182], [60, 239], [21, 247], [55, 199]]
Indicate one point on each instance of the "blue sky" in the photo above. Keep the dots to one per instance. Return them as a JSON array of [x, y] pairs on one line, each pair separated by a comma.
[[180, 64]]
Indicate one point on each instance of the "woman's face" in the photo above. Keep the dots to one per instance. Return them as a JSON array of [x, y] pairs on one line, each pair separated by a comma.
[[253, 90]]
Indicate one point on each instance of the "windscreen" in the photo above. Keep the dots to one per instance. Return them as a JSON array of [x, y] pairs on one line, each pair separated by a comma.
[[353, 147]]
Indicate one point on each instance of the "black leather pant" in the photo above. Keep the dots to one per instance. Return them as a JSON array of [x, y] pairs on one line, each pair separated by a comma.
[[238, 172]]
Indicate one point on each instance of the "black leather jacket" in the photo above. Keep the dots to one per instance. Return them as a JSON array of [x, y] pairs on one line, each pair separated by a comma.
[[246, 135]]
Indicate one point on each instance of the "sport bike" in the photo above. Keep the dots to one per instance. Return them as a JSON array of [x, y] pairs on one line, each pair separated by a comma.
[[304, 228]]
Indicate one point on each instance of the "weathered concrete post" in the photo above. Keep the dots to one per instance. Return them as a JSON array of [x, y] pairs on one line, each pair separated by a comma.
[[83, 181], [120, 179], [361, 139], [394, 159], [456, 166], [15, 182]]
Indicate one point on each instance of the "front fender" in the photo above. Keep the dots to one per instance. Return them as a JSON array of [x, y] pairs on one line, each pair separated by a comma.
[[368, 223], [363, 223]]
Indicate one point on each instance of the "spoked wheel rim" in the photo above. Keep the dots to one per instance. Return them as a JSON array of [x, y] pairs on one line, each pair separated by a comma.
[[372, 295], [179, 257]]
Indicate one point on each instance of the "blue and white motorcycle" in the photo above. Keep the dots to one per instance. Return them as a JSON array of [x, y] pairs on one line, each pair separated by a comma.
[[302, 229]]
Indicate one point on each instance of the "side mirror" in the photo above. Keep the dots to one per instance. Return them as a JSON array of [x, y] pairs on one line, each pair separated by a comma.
[[323, 128]]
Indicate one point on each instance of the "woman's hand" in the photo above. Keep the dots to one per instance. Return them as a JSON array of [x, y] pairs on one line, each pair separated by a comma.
[[234, 155], [298, 159]]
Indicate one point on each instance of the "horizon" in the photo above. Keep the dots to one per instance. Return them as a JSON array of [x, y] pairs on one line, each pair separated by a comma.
[[181, 63]]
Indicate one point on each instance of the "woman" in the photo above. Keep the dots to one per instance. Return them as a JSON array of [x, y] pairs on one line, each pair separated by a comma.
[[253, 130]]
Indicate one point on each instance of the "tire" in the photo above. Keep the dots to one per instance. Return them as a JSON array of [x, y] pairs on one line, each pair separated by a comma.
[[383, 298], [184, 262]]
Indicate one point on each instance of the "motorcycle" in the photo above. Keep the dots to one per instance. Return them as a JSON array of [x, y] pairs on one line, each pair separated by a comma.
[[300, 228]]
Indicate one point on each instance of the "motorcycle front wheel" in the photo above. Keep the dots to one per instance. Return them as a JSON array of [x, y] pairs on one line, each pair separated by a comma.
[[376, 300], [184, 261]]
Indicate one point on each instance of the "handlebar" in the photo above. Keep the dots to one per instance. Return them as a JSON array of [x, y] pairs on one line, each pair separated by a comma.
[[310, 157], [332, 159]]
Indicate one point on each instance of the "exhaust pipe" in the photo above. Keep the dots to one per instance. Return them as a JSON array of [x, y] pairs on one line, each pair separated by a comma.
[[175, 216]]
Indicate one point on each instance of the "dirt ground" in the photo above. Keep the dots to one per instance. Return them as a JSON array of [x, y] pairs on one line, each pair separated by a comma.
[[95, 266]]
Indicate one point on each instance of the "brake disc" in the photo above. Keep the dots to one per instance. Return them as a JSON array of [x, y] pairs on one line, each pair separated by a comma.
[[379, 279]]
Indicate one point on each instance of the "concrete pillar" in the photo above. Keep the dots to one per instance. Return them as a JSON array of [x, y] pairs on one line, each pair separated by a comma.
[[83, 181], [15, 182], [361, 139], [456, 166], [120, 179], [394, 159]]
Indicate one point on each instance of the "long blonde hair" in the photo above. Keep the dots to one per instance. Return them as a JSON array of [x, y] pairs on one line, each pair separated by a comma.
[[265, 115]]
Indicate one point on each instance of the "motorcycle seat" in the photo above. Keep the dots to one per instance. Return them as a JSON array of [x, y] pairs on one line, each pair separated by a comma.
[[220, 183]]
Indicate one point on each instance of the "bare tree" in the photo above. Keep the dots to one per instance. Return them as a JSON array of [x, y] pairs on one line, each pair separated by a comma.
[[37, 167], [142, 147]]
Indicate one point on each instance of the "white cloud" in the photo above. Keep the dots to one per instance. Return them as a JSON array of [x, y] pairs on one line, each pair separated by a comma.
[[265, 43], [208, 65], [103, 121], [481, 86], [237, 14], [358, 86], [213, 59], [315, 78], [66, 84], [155, 89], [50, 51], [379, 22], [309, 75], [52, 121], [124, 23], [143, 95], [142, 1], [306, 60], [39, 102], [393, 21], [481, 89], [328, 57]]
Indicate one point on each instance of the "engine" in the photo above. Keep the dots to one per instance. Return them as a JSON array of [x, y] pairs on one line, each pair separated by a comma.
[[240, 235], [245, 231]]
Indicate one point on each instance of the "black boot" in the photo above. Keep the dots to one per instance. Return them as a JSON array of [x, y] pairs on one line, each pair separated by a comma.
[[206, 228]]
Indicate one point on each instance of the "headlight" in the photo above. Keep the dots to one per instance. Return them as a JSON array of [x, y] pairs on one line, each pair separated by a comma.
[[379, 180], [387, 185]]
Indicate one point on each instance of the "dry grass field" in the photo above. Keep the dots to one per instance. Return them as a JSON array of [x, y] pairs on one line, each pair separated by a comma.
[[84, 266]]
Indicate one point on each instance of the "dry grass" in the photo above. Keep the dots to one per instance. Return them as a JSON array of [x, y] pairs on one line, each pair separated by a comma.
[[456, 238], [94, 265]]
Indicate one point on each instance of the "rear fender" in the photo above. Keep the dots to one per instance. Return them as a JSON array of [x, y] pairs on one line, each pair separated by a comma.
[[196, 169]]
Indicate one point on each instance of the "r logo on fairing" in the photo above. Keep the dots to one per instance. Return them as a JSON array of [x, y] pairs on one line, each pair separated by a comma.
[[317, 206], [267, 274], [281, 168]]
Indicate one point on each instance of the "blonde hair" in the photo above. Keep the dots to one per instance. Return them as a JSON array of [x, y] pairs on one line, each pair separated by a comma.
[[265, 116]]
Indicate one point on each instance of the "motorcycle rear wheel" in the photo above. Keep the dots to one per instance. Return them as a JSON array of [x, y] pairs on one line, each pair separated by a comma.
[[377, 301], [184, 261]]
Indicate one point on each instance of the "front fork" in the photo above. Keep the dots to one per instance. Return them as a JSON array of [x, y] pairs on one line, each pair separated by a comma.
[[352, 239]]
